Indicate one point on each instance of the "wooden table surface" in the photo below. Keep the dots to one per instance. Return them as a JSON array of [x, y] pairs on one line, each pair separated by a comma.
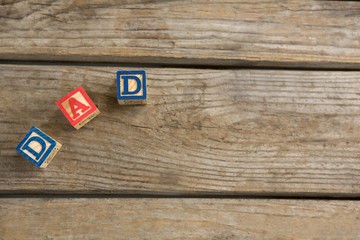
[[251, 130]]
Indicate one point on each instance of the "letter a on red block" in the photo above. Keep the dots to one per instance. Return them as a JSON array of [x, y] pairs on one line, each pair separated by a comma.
[[76, 106]]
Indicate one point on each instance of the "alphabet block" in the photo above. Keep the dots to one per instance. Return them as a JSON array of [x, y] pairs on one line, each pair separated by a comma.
[[131, 87], [38, 147], [78, 108]]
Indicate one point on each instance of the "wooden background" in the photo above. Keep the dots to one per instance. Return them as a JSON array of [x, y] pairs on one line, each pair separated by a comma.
[[250, 131]]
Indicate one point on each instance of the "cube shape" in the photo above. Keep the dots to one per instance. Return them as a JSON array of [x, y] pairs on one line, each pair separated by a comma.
[[77, 107], [131, 87], [38, 147]]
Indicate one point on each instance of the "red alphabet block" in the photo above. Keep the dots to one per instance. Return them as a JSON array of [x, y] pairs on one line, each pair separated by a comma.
[[77, 107]]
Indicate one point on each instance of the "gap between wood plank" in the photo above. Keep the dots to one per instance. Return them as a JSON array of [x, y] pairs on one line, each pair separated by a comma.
[[342, 197], [179, 66]]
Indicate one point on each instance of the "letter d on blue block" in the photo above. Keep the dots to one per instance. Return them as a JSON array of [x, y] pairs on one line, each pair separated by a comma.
[[37, 147], [126, 85], [36, 152], [131, 87]]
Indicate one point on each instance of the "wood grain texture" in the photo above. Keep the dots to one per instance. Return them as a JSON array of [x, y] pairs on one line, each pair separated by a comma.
[[202, 131], [178, 219], [257, 33]]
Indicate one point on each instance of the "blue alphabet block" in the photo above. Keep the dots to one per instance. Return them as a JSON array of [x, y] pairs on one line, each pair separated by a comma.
[[131, 87], [38, 147]]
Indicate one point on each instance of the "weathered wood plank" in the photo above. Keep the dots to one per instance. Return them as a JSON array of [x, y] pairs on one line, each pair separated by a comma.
[[266, 33], [177, 219], [203, 131]]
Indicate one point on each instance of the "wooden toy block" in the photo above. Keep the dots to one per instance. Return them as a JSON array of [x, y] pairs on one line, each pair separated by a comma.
[[78, 108], [131, 87], [38, 147]]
